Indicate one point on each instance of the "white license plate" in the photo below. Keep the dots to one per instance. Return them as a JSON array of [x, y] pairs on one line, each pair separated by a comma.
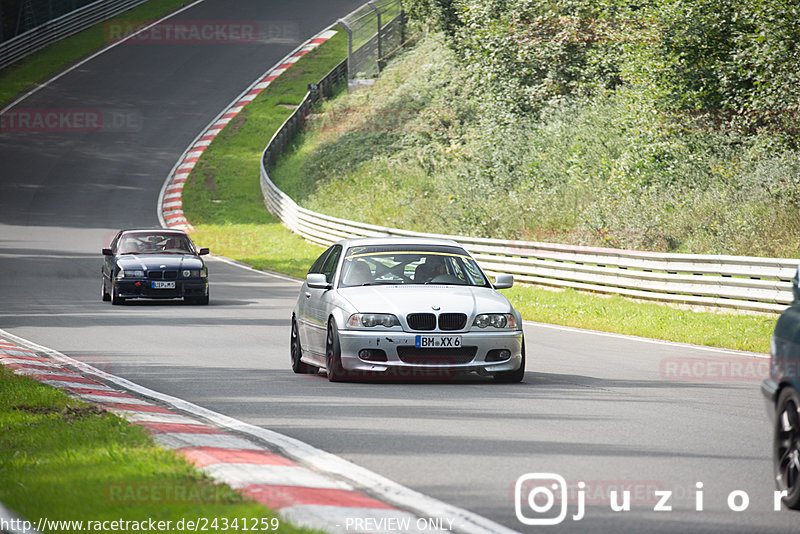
[[163, 285], [437, 342]]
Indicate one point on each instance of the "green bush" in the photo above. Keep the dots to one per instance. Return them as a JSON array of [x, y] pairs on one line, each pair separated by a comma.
[[427, 148]]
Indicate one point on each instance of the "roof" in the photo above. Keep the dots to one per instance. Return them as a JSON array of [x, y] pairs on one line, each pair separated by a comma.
[[161, 231], [393, 240]]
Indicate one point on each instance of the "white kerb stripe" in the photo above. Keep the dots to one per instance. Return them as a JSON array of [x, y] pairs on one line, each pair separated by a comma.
[[29, 371], [145, 417], [60, 384], [181, 440], [115, 400], [31, 363], [241, 475]]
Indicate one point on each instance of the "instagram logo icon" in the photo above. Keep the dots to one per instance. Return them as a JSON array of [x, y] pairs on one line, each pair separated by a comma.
[[541, 499]]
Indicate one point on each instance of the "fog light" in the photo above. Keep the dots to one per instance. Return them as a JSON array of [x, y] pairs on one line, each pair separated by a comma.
[[372, 355], [498, 355]]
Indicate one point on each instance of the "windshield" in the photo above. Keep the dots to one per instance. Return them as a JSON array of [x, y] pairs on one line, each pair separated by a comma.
[[379, 265], [154, 244]]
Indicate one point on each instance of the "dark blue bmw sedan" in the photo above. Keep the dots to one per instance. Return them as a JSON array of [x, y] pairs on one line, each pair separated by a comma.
[[783, 402], [154, 264]]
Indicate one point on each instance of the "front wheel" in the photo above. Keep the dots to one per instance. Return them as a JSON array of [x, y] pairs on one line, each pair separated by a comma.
[[333, 354], [786, 447], [103, 293], [508, 377], [115, 298]]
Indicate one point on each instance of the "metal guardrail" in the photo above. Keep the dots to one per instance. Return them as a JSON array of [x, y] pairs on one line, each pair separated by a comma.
[[739, 282], [73, 22]]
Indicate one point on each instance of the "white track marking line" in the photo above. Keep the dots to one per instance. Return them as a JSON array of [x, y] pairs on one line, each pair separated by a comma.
[[242, 475], [271, 274], [99, 52]]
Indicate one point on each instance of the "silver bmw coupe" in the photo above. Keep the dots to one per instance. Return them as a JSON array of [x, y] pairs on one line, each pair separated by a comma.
[[404, 308]]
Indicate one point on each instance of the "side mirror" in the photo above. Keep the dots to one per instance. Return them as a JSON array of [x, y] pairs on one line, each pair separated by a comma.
[[503, 281], [107, 252], [203, 251], [317, 281], [796, 285]]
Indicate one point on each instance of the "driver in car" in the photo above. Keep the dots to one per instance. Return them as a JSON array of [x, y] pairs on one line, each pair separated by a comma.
[[432, 267]]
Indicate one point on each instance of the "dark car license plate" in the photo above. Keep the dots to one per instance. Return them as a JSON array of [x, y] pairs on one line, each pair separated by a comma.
[[163, 285]]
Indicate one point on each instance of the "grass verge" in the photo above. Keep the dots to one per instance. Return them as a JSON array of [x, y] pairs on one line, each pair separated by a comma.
[[43, 64], [66, 460], [646, 319]]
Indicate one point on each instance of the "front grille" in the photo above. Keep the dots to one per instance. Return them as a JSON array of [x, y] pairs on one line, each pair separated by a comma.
[[409, 354], [421, 321], [162, 275], [452, 321]]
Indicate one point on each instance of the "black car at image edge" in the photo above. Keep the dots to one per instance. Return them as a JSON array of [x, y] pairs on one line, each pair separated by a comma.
[[783, 402], [154, 264]]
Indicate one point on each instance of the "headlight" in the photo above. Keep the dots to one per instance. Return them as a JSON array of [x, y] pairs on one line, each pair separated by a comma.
[[130, 274], [370, 320], [193, 273], [496, 320]]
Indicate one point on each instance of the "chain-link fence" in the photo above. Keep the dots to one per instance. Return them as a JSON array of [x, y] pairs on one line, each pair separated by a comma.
[[19, 16], [374, 32]]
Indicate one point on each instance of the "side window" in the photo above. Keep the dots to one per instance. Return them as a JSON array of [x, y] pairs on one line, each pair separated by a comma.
[[316, 268], [329, 267]]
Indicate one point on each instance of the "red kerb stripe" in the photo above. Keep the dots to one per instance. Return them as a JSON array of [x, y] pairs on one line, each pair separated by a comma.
[[203, 456]]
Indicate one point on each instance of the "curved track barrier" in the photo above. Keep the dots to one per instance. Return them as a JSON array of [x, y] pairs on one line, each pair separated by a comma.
[[738, 282]]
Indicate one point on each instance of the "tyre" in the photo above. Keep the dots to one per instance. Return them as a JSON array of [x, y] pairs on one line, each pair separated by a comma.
[[297, 351], [103, 293], [786, 447], [333, 354], [508, 377], [115, 298]]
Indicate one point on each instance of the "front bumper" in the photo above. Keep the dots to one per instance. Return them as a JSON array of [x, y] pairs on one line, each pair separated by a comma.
[[143, 289], [405, 360], [769, 389]]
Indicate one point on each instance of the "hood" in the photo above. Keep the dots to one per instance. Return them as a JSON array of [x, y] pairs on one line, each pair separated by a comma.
[[155, 261], [402, 300]]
